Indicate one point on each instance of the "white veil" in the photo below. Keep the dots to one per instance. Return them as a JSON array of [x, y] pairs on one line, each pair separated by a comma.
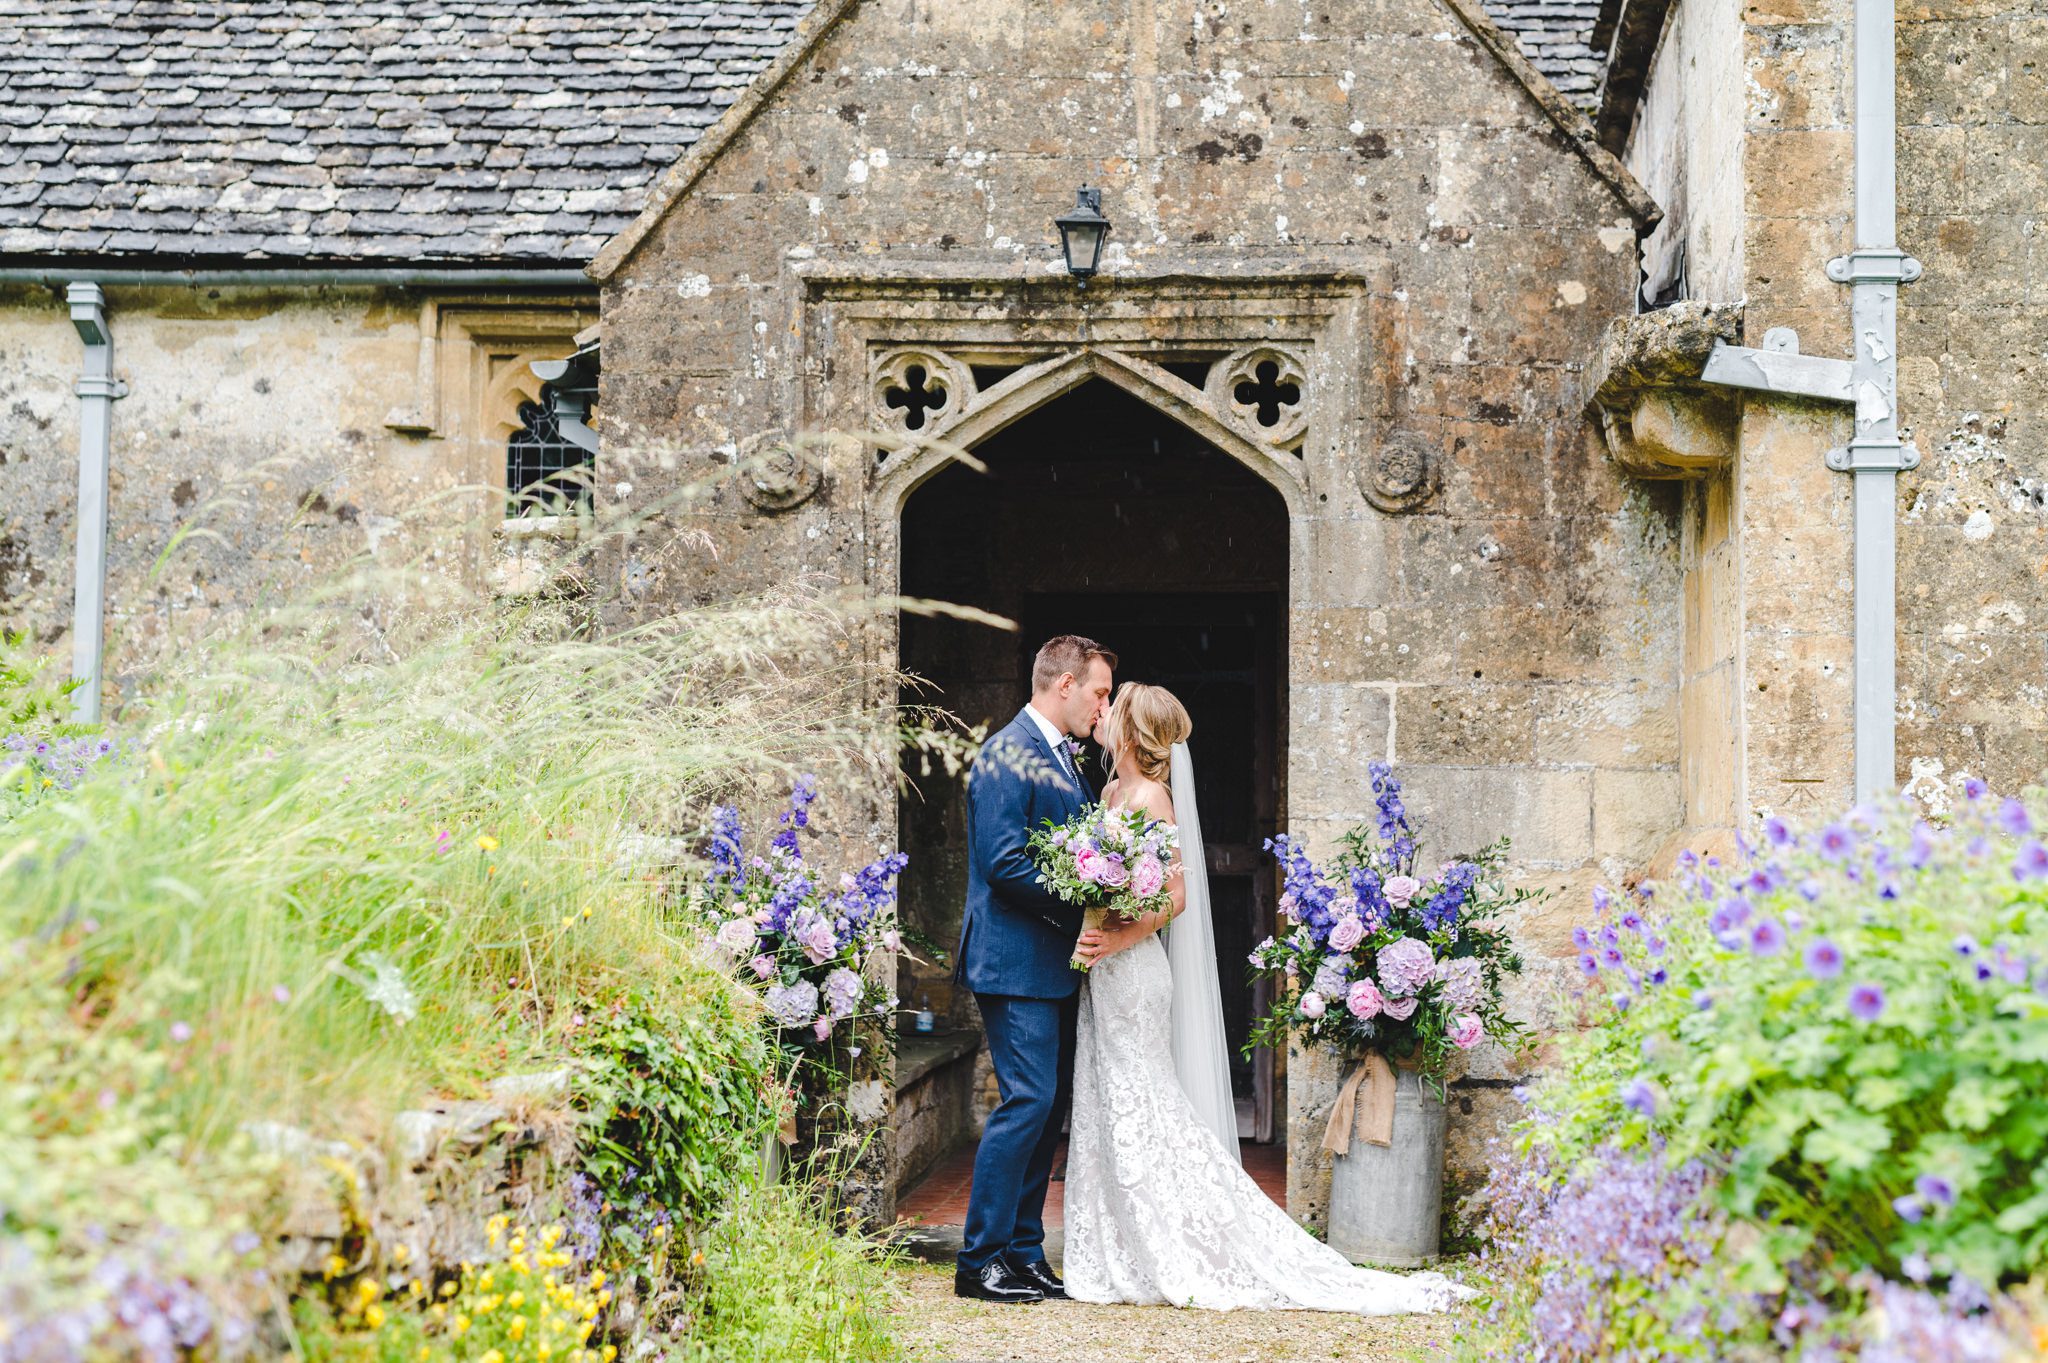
[[1201, 1052]]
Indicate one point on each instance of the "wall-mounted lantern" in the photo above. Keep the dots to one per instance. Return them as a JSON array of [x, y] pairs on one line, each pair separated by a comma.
[[1083, 229]]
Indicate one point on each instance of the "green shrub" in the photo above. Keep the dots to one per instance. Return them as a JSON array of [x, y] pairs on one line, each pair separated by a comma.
[[1835, 1049]]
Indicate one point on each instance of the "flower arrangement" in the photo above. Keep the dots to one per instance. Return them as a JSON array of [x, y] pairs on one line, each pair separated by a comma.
[[1845, 1030], [1381, 959], [1107, 861], [807, 943]]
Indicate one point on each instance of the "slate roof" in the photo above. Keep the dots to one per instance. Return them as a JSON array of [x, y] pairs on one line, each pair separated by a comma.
[[501, 132], [461, 131]]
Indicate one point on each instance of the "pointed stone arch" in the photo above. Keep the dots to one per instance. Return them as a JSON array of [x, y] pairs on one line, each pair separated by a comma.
[[906, 463]]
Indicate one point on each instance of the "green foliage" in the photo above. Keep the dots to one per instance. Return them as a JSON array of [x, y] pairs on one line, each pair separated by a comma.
[[770, 1288], [679, 1104], [32, 699]]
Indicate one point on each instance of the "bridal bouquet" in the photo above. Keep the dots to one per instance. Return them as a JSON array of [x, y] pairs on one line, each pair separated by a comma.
[[1108, 861], [1381, 959], [804, 940]]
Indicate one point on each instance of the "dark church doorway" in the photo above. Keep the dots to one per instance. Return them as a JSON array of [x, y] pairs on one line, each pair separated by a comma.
[[1099, 515]]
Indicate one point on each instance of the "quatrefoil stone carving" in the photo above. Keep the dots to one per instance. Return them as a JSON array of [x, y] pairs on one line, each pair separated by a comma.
[[915, 390], [1265, 388]]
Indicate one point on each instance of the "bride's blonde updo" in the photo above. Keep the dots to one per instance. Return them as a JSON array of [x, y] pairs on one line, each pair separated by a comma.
[[1151, 721]]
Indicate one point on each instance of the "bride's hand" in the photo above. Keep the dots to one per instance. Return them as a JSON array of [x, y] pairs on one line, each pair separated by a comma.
[[1097, 944]]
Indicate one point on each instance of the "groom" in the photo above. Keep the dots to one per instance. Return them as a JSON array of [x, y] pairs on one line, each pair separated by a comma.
[[1015, 941]]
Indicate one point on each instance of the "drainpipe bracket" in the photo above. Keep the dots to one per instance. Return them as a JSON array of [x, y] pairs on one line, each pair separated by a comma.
[[100, 386], [1875, 265], [1884, 456], [1779, 368]]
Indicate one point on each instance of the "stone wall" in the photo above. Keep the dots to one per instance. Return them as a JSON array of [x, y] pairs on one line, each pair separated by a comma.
[[1470, 590], [1773, 599], [267, 418]]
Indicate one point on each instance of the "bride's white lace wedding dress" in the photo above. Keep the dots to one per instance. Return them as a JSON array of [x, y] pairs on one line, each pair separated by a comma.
[[1156, 1209]]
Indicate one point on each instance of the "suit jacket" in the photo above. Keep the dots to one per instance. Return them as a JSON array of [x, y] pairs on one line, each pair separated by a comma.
[[1016, 937]]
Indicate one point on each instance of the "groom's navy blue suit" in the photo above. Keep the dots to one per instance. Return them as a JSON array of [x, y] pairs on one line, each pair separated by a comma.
[[1015, 941]]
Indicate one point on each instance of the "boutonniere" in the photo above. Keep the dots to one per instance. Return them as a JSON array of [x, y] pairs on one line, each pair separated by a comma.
[[1076, 753]]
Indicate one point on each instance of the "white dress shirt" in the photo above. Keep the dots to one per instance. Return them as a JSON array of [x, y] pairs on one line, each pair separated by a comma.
[[1055, 740]]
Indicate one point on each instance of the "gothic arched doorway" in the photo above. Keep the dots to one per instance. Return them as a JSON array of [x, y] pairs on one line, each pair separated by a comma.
[[1099, 515]]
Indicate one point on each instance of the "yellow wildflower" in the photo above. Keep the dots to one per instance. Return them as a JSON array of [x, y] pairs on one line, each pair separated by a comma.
[[596, 1279], [519, 1243], [367, 1289], [551, 1237], [486, 843], [336, 1266], [697, 1259], [483, 1284], [516, 1299], [460, 1327], [491, 1356], [399, 1254], [570, 921], [586, 913], [447, 1289], [611, 1351], [425, 1351], [517, 1329], [374, 1316], [543, 1349]]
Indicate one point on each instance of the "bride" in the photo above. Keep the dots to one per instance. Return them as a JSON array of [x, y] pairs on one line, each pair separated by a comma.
[[1158, 1209]]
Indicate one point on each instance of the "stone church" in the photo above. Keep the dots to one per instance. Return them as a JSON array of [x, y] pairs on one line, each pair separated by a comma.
[[1461, 386]]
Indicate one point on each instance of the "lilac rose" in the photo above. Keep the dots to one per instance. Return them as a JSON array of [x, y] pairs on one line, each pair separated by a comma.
[[1400, 1010], [1348, 932], [1400, 889], [736, 936]]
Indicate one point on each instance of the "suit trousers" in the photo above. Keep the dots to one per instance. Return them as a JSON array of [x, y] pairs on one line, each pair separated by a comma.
[[1031, 1046]]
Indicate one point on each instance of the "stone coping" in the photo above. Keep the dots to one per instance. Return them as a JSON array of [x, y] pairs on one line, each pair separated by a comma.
[[919, 1053]]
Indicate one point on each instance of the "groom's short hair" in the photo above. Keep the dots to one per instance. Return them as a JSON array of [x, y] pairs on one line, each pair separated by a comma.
[[1064, 653]]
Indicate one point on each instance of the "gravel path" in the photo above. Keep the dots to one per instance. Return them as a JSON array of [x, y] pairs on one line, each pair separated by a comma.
[[937, 1327]]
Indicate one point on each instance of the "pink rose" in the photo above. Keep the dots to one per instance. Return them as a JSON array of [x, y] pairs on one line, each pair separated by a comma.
[[1365, 1000], [1115, 874], [1089, 865], [1400, 1010], [1467, 1031], [764, 966], [892, 940], [1400, 889], [1147, 876], [1312, 1005], [1348, 933]]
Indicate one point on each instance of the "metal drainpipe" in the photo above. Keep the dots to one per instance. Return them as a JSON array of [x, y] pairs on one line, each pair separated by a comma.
[[1875, 454], [97, 389]]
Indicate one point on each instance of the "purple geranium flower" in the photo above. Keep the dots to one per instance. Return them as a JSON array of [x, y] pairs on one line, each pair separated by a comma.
[[1640, 1097], [1823, 959], [1767, 938], [1909, 1208], [1777, 832], [2032, 862], [1935, 1189], [1836, 842], [2013, 818], [1974, 788], [1866, 1002], [1589, 964]]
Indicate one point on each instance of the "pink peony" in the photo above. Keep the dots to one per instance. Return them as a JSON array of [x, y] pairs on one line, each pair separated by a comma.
[[1312, 1005], [1348, 933], [1467, 1031], [1400, 1010], [1147, 876], [1365, 1000], [1089, 865], [1400, 889]]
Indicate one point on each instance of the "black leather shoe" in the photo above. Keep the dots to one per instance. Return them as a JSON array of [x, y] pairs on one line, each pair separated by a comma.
[[994, 1281], [1040, 1275]]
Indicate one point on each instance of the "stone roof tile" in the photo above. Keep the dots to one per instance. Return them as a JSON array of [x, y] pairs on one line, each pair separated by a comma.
[[459, 131]]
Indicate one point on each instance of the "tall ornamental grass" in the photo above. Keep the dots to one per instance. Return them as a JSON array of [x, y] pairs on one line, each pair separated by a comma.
[[341, 868]]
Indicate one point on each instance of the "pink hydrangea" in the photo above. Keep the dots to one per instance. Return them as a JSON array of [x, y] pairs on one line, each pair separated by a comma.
[[1348, 933], [1400, 889], [1405, 967], [1467, 1031], [1312, 1005], [1400, 1010], [1147, 876], [1459, 976], [1365, 1000]]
